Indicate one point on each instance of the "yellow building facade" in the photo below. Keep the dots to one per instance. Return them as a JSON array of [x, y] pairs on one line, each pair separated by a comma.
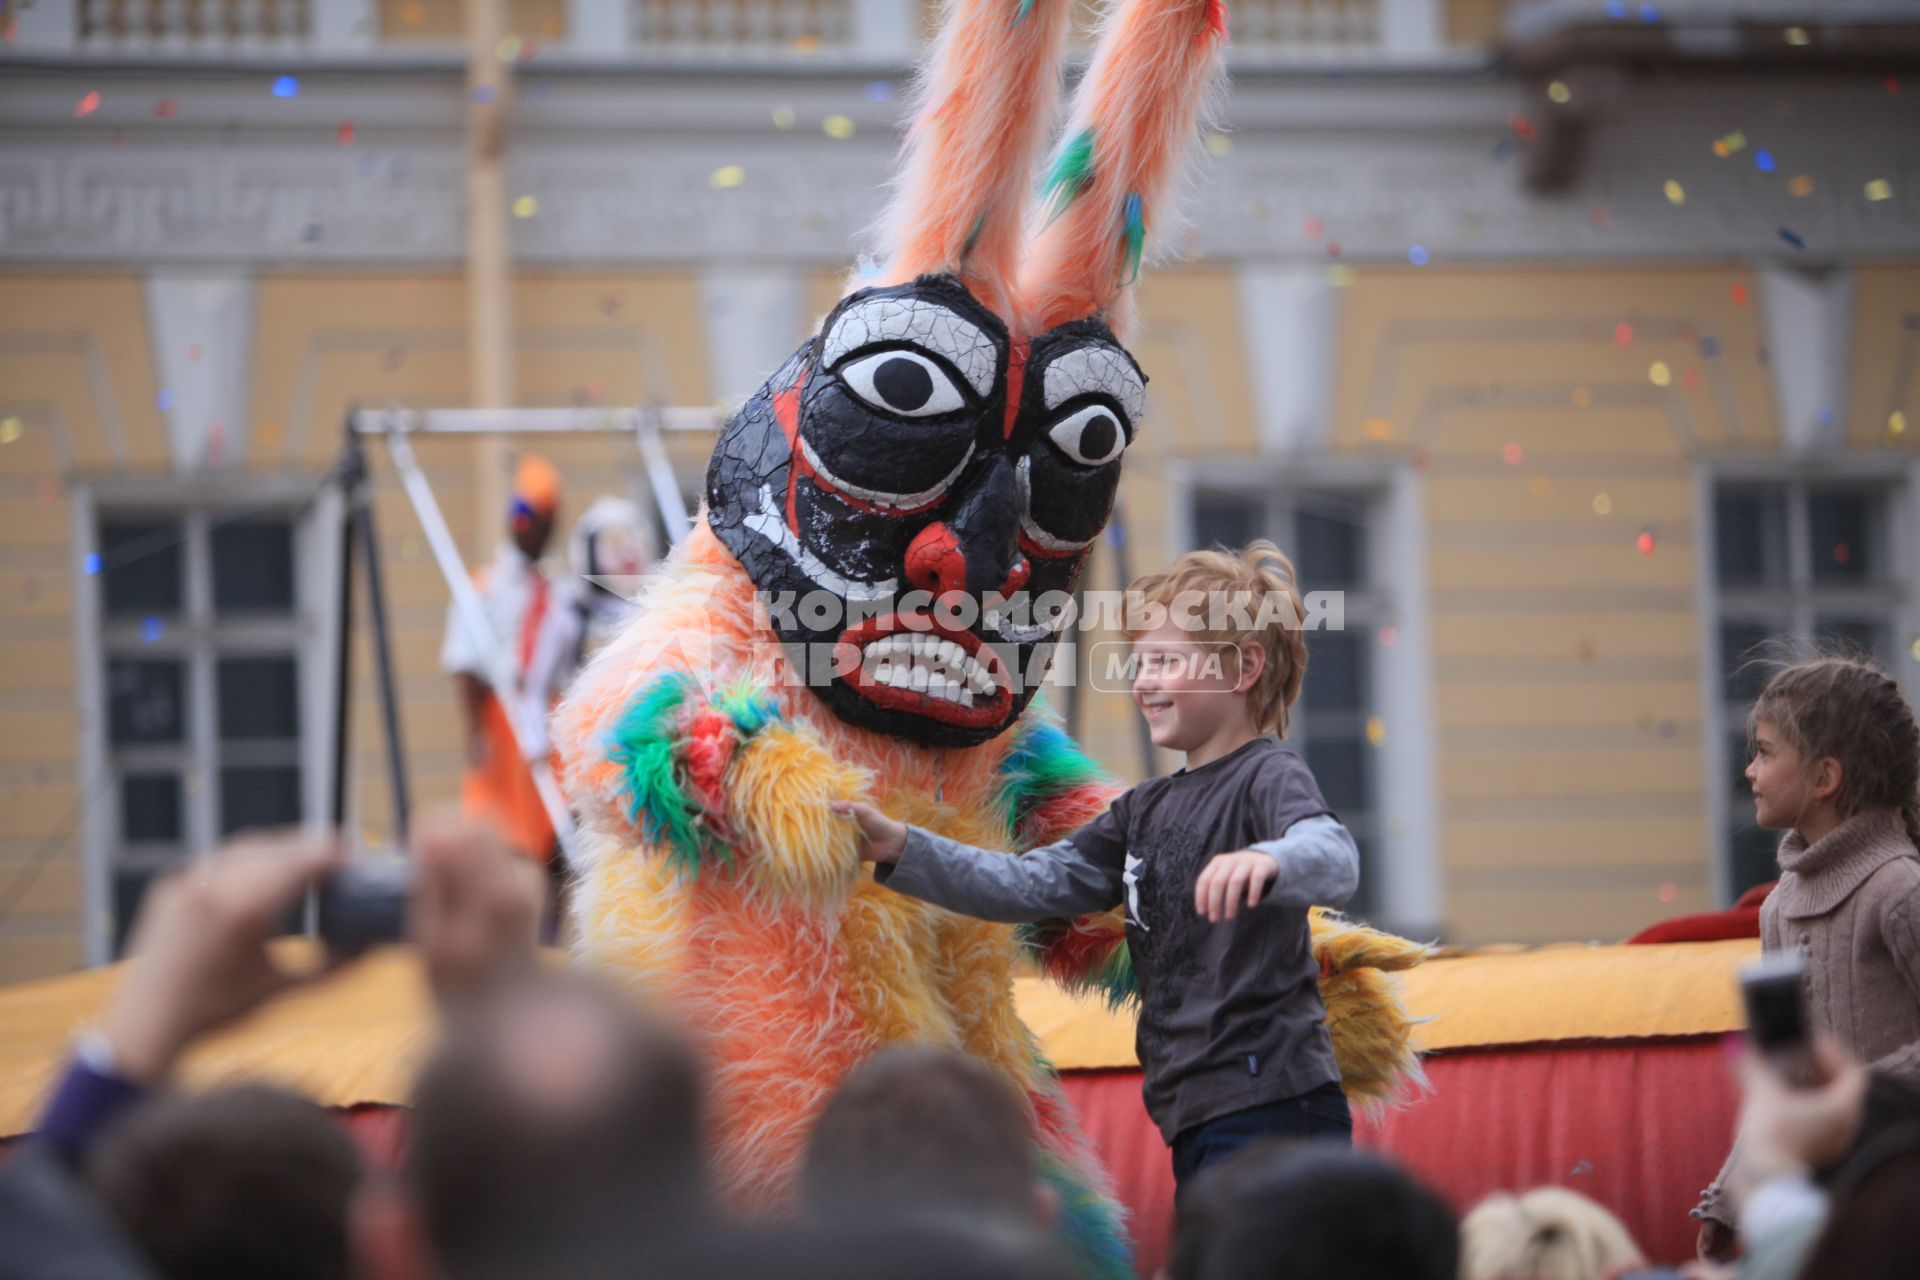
[[1566, 453]]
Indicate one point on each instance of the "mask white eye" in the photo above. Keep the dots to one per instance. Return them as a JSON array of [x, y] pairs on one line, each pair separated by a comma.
[[902, 382], [1091, 437]]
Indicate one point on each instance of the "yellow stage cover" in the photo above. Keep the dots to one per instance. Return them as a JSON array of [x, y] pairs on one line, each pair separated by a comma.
[[358, 1037]]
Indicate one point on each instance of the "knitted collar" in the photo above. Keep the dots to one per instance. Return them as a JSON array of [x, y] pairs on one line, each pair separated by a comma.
[[1817, 879]]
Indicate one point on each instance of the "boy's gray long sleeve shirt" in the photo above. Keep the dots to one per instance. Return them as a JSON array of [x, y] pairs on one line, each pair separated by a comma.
[[1318, 862], [1230, 1013]]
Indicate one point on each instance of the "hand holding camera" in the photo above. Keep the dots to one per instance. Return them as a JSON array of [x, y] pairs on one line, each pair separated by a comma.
[[199, 954], [1802, 1095]]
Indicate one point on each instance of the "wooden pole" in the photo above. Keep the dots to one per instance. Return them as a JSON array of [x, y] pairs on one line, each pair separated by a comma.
[[489, 255]]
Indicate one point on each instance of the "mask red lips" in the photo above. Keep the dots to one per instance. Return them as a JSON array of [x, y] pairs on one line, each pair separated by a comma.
[[908, 662]]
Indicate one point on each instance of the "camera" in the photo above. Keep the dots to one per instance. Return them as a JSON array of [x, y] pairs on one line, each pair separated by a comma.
[[1775, 990], [364, 904]]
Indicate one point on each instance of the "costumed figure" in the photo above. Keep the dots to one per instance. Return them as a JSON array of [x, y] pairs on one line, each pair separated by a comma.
[[528, 617], [837, 625], [610, 548]]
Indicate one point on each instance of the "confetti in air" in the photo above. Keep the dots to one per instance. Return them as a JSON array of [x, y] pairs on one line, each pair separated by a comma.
[[1645, 543], [726, 177], [1623, 334], [1581, 397], [345, 133], [1800, 186], [1897, 423], [1418, 255], [165, 109], [839, 128], [1879, 189], [87, 105], [1739, 295], [1219, 144], [1797, 36], [1676, 194], [10, 430], [1763, 160], [1559, 92], [783, 117], [1792, 237], [1376, 730], [1658, 373], [1602, 504], [1513, 455], [525, 207], [1379, 429], [163, 401], [286, 87]]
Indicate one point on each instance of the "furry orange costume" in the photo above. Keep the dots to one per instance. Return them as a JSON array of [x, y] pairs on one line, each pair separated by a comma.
[[955, 427]]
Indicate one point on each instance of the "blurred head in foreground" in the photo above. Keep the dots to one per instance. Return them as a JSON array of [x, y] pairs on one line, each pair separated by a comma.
[[926, 1135], [556, 1131], [240, 1182], [1549, 1233], [1312, 1211]]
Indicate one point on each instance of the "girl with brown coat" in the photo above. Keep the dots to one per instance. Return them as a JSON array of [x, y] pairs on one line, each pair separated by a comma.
[[1836, 764]]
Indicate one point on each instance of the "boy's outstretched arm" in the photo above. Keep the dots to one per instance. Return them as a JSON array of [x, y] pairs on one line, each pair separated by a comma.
[[1316, 863], [1068, 878]]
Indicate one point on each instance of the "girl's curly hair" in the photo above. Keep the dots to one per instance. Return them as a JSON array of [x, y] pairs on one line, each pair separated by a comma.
[[1851, 710]]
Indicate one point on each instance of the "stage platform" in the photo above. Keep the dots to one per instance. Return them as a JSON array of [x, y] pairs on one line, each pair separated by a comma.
[[1594, 1067]]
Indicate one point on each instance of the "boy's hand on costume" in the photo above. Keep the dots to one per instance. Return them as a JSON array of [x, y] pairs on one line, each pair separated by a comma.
[[1232, 880], [198, 952], [881, 838]]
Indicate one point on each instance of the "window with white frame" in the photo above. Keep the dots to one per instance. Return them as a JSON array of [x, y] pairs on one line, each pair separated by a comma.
[[1337, 725], [1798, 563], [205, 680]]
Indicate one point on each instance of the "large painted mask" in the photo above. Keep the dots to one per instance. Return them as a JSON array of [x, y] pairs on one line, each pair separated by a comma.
[[916, 491]]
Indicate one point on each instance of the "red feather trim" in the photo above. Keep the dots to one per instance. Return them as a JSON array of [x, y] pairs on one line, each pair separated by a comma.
[[711, 739], [1082, 947]]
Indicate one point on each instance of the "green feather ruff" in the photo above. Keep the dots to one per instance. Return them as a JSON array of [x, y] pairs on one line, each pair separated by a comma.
[[1070, 175], [1044, 763], [643, 745]]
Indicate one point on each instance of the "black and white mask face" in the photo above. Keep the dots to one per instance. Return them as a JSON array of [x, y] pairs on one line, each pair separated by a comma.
[[909, 486]]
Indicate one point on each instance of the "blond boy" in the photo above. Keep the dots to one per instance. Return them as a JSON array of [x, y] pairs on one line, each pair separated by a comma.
[[1216, 865]]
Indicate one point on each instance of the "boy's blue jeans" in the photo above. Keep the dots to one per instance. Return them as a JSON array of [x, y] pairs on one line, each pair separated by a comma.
[[1320, 1113]]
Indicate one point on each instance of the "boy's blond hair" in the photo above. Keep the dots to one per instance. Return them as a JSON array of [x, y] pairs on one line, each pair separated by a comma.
[[1257, 573]]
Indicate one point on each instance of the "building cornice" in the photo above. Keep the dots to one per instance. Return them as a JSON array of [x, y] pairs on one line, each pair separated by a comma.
[[622, 167]]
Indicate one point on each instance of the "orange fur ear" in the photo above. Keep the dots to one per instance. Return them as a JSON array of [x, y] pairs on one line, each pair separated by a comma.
[[1110, 191], [986, 96]]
